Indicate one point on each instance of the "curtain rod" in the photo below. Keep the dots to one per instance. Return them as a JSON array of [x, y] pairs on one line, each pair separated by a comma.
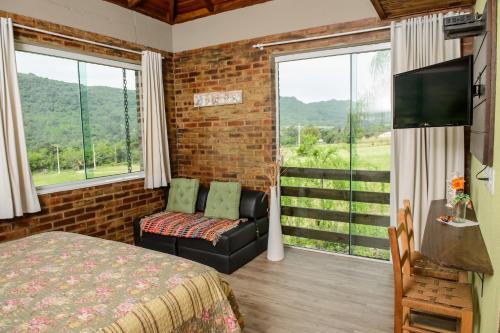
[[347, 33], [307, 39], [77, 39]]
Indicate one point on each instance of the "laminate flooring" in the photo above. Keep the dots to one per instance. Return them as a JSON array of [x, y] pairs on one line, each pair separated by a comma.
[[315, 292]]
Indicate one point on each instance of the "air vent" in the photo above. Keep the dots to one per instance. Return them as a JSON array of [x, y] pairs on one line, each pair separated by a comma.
[[466, 25]]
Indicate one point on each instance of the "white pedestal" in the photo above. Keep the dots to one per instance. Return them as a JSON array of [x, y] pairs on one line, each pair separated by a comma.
[[275, 249]]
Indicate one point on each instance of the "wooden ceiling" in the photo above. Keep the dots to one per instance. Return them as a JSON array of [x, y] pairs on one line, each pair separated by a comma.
[[178, 11], [389, 9]]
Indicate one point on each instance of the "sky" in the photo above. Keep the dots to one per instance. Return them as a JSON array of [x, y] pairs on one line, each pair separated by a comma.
[[322, 79], [309, 80], [66, 70]]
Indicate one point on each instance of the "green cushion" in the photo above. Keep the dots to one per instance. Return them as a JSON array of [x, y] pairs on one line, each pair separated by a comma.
[[182, 195], [223, 201]]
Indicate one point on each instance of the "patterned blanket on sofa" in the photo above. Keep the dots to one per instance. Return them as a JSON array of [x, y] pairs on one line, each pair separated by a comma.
[[188, 225]]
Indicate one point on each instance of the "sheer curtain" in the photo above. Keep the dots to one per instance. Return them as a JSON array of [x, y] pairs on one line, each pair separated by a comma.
[[422, 159], [17, 190], [154, 129]]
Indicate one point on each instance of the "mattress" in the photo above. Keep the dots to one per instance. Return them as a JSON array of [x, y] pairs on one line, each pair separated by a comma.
[[65, 282]]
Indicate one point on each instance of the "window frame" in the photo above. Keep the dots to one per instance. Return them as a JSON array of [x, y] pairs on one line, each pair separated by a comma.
[[74, 185], [311, 54], [314, 54]]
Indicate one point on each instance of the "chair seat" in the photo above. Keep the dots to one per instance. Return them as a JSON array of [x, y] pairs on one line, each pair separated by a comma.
[[437, 292], [419, 322], [421, 265]]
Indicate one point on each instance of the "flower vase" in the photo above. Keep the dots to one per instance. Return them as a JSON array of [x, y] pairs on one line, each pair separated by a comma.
[[275, 249], [450, 191], [460, 211]]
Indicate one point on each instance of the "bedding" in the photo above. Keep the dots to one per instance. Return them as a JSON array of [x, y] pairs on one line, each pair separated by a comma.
[[188, 225], [64, 282]]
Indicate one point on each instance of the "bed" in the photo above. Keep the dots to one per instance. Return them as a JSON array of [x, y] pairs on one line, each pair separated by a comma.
[[65, 282]]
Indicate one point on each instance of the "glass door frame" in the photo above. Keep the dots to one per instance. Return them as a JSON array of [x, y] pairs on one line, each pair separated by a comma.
[[338, 51]]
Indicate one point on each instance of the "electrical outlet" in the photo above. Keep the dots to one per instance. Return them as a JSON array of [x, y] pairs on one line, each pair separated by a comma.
[[490, 184]]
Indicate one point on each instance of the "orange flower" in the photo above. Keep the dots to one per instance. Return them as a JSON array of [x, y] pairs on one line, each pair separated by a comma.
[[457, 183]]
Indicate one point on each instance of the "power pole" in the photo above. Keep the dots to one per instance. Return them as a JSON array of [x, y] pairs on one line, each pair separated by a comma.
[[58, 162], [93, 152]]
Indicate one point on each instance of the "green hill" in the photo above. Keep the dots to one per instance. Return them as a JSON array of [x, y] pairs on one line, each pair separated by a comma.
[[51, 112], [326, 113]]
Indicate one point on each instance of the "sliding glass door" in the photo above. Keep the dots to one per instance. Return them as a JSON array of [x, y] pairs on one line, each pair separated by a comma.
[[334, 137]]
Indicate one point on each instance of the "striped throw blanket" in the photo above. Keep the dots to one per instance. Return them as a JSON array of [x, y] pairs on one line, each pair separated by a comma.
[[188, 225]]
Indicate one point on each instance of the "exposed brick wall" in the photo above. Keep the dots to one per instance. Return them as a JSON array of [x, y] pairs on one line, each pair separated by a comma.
[[104, 211], [215, 143], [235, 142]]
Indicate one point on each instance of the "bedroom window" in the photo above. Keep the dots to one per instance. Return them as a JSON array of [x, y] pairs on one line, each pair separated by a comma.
[[81, 117]]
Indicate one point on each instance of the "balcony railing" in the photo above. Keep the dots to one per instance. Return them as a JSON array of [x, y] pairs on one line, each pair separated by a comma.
[[356, 218]]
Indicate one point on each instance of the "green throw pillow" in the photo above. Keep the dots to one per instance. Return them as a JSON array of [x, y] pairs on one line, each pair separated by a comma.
[[223, 201], [182, 195]]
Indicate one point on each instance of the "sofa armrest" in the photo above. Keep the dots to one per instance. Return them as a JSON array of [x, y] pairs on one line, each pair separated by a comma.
[[165, 194], [137, 231], [137, 227], [253, 204]]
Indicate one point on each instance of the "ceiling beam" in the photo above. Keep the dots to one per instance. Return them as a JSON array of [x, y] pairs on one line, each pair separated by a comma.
[[209, 5], [172, 11], [133, 3], [380, 10]]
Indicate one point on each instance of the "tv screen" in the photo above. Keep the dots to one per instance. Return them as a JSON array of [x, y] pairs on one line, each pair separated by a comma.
[[434, 96]]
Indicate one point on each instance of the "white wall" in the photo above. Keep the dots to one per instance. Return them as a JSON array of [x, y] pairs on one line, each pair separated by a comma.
[[268, 18], [97, 16]]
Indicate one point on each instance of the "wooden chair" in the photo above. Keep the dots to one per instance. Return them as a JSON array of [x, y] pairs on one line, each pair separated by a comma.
[[420, 264], [424, 295]]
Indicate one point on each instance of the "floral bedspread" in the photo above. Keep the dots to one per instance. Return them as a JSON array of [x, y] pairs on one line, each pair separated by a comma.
[[64, 282]]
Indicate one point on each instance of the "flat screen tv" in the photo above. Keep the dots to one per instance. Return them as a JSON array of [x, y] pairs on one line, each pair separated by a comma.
[[434, 96]]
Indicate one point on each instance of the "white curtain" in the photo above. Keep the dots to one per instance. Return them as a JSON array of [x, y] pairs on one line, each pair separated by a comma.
[[17, 190], [423, 159], [154, 128]]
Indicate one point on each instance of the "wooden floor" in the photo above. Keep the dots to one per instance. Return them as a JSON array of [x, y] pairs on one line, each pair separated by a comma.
[[314, 292]]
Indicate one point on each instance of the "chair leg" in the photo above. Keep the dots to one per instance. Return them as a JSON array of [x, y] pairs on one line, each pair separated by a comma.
[[398, 318], [466, 322], [406, 318]]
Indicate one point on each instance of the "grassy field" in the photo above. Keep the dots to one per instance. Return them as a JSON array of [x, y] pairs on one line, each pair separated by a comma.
[[367, 155], [66, 176]]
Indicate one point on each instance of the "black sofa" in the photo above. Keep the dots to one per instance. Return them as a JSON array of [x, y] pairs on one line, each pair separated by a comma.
[[234, 249]]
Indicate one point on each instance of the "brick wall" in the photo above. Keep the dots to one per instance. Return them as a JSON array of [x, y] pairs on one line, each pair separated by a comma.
[[235, 142], [104, 211], [215, 143]]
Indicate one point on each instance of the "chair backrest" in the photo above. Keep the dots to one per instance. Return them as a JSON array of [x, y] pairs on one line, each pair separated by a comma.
[[409, 226], [398, 239]]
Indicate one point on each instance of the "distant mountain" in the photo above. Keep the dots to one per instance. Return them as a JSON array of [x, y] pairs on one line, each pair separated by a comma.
[[51, 112], [325, 113], [334, 113]]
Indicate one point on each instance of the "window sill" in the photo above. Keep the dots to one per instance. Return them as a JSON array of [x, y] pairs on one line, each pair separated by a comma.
[[47, 189]]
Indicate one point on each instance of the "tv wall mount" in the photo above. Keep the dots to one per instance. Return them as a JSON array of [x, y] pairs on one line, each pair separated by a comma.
[[478, 90]]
